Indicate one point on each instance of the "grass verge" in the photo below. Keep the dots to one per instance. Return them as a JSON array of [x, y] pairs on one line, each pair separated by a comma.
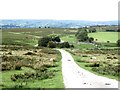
[[83, 65]]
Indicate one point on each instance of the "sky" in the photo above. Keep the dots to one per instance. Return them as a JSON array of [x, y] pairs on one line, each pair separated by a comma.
[[92, 10]]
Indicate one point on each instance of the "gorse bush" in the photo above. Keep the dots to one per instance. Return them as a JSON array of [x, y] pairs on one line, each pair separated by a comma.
[[6, 66], [11, 63], [38, 75], [18, 66], [11, 58]]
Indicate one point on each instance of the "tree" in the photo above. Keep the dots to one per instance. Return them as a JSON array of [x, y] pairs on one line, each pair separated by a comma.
[[56, 39], [118, 43], [91, 39], [44, 41], [108, 41], [82, 35]]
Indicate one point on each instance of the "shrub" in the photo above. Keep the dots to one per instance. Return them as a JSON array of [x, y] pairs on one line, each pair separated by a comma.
[[36, 75], [18, 66], [93, 65], [51, 44], [60, 45], [29, 53], [108, 41], [84, 56], [11, 58], [108, 70], [115, 57], [66, 45], [72, 46], [10, 53], [109, 57], [4, 58], [6, 66], [44, 75]]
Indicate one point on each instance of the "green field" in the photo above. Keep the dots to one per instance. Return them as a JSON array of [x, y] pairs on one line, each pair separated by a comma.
[[102, 38], [105, 36], [13, 38], [69, 38]]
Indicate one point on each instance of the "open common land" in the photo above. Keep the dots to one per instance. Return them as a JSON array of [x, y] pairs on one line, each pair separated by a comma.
[[24, 65]]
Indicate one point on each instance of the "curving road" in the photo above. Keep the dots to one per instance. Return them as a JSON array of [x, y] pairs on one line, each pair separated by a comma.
[[76, 77]]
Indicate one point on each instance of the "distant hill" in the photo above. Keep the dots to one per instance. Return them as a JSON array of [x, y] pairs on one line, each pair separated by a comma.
[[52, 23]]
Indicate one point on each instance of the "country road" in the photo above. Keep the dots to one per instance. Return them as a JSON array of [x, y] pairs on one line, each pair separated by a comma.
[[76, 77]]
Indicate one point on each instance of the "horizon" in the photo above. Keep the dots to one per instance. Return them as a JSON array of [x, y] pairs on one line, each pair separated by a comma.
[[59, 20]]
